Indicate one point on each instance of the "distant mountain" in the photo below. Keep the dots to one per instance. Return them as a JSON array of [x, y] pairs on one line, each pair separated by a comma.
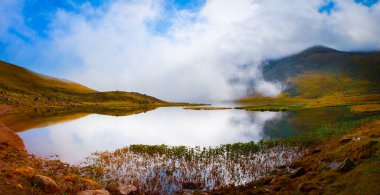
[[19, 86], [320, 70]]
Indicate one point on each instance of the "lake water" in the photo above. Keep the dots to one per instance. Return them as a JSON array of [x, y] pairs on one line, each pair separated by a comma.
[[73, 140], [80, 136]]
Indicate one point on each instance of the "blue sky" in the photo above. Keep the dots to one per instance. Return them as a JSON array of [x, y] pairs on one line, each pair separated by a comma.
[[145, 45], [329, 5], [37, 13]]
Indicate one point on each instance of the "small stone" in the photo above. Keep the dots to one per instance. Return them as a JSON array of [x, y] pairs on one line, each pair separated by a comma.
[[298, 172], [344, 140], [347, 165], [356, 139], [19, 186], [94, 192], [45, 183], [307, 187], [127, 189]]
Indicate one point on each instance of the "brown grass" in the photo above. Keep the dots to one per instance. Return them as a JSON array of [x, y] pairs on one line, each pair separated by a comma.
[[364, 151]]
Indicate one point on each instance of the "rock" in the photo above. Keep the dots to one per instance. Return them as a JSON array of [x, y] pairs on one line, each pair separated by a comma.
[[356, 139], [94, 192], [191, 185], [344, 140], [307, 187], [298, 172], [45, 183], [334, 165], [114, 188], [19, 186], [27, 172], [347, 165], [127, 189]]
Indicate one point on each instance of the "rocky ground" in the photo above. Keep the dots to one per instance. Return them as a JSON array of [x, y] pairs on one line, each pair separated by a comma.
[[341, 165], [22, 173]]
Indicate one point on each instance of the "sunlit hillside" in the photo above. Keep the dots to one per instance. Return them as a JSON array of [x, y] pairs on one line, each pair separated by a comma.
[[19, 86], [320, 71], [318, 77]]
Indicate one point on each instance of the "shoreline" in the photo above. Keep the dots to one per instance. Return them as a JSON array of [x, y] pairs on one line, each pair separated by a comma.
[[20, 168]]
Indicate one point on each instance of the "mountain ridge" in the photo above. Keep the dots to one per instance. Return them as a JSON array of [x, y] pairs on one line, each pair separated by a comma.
[[326, 63], [22, 87]]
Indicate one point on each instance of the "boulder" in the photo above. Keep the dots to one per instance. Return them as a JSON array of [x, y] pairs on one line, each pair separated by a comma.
[[127, 189], [94, 192], [45, 183], [297, 173], [113, 188], [347, 165]]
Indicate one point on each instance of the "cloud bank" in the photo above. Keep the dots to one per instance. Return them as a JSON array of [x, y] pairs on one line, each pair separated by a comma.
[[192, 54]]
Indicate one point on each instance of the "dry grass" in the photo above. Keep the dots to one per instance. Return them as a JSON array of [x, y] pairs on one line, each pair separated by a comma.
[[366, 108], [364, 151]]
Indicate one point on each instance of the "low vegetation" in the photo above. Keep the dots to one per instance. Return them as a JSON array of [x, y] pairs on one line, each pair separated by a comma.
[[344, 164], [170, 169]]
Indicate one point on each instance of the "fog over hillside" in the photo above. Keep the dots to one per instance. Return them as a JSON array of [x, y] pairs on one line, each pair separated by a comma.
[[199, 53]]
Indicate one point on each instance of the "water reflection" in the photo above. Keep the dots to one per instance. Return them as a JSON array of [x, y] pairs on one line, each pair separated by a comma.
[[76, 139]]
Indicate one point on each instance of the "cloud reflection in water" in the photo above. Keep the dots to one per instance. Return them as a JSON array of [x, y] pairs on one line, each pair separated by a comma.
[[77, 139]]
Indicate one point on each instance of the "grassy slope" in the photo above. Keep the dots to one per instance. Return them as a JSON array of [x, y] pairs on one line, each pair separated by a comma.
[[21, 87], [322, 179], [320, 77]]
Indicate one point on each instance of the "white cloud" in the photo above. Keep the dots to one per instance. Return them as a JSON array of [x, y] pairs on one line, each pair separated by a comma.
[[115, 46]]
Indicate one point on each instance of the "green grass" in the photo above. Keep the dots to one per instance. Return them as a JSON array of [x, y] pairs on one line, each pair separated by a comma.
[[244, 149], [325, 132]]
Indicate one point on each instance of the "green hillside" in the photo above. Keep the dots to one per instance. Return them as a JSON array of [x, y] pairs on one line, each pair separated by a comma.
[[21, 87], [321, 76], [320, 71]]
